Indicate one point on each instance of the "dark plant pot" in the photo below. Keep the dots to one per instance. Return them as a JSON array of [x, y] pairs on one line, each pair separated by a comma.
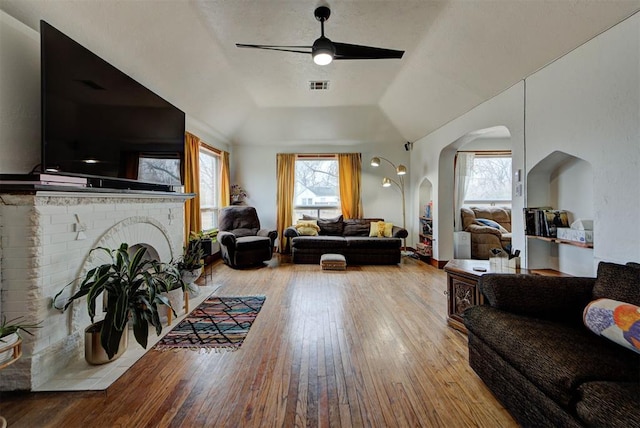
[[94, 353], [207, 246]]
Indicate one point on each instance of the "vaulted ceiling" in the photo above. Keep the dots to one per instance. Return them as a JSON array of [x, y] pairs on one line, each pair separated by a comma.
[[459, 53]]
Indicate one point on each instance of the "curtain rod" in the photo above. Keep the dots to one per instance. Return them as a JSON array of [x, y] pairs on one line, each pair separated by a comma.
[[316, 155], [485, 151]]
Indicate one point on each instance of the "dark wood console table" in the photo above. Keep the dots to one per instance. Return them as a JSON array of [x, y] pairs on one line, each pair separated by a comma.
[[462, 286]]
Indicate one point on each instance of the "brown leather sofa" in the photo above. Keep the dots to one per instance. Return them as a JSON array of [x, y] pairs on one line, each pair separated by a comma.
[[486, 237]]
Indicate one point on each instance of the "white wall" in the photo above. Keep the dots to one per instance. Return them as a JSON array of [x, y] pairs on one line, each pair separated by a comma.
[[587, 104], [432, 158], [254, 168], [20, 100], [20, 96]]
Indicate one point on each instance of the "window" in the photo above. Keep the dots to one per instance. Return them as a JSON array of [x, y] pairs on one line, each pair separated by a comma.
[[490, 180], [160, 168], [209, 187], [317, 191]]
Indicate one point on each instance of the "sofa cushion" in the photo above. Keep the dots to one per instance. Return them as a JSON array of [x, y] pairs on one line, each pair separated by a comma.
[[491, 223], [328, 226], [500, 215], [555, 357], [358, 226], [380, 229], [252, 242], [319, 242], [244, 232], [355, 242], [618, 282], [609, 404], [307, 227]]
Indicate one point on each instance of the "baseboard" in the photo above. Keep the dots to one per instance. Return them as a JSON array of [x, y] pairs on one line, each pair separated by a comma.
[[438, 263]]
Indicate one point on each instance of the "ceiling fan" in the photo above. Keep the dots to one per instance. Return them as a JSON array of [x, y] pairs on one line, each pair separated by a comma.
[[324, 50]]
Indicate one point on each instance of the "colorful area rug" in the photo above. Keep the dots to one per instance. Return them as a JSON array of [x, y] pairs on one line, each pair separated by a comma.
[[218, 323]]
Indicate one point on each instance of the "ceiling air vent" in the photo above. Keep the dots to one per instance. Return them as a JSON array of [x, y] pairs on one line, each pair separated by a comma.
[[318, 85]]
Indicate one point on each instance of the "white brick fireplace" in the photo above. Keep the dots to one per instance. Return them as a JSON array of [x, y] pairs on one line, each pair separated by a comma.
[[46, 238]]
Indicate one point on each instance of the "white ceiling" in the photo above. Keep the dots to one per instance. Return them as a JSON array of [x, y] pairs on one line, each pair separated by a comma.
[[459, 53]]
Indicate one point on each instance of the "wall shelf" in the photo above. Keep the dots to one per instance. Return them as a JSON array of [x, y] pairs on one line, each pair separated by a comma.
[[562, 241]]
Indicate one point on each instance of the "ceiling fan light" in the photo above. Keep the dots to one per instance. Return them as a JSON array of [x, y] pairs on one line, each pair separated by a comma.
[[322, 58], [323, 51]]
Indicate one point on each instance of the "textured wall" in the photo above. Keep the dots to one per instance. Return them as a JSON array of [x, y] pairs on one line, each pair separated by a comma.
[[46, 240]]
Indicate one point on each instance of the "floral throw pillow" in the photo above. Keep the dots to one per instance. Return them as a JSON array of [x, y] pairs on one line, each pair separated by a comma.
[[615, 320]]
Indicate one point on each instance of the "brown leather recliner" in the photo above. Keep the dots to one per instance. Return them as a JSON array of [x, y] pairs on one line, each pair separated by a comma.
[[242, 241], [481, 222]]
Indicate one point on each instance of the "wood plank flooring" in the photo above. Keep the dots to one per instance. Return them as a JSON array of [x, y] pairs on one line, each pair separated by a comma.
[[365, 347]]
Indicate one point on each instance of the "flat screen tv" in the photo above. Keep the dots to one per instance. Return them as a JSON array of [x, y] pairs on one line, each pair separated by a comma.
[[99, 123]]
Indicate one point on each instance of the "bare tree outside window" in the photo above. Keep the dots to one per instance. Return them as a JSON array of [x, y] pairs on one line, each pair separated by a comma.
[[209, 188], [490, 180], [159, 170]]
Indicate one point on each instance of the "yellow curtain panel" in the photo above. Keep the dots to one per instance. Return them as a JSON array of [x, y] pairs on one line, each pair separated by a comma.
[[286, 179], [225, 180], [192, 222], [350, 173]]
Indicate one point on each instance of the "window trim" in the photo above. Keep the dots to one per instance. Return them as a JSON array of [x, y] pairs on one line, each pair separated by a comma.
[[317, 208], [489, 154]]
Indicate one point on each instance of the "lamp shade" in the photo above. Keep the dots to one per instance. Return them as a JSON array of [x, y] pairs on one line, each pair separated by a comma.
[[375, 161], [401, 170], [323, 51], [386, 182]]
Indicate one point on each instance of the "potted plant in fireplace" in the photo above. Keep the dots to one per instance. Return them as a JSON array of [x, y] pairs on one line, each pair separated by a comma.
[[133, 288]]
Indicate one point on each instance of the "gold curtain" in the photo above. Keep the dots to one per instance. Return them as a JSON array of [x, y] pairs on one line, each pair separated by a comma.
[[192, 221], [286, 179], [225, 180], [350, 173]]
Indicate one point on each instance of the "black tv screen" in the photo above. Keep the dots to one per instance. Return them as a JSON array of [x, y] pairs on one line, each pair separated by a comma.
[[99, 122]]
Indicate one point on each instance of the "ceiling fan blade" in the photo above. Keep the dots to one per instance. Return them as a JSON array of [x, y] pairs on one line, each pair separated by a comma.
[[277, 48], [348, 51]]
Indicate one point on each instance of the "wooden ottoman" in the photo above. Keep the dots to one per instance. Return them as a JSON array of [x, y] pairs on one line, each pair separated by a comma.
[[333, 262]]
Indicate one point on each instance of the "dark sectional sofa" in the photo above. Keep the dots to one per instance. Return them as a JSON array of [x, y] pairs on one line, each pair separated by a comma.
[[347, 237], [531, 348]]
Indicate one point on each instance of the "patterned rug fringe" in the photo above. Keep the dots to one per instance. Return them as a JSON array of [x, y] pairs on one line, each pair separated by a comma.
[[199, 349]]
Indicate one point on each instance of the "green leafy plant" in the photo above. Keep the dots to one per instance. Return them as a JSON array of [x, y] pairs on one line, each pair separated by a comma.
[[14, 326], [192, 256], [134, 288], [205, 234]]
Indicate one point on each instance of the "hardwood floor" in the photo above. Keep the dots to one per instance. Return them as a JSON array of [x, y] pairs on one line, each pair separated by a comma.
[[365, 347]]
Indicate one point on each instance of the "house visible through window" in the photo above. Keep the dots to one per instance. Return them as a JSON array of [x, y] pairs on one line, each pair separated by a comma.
[[209, 187], [317, 192], [489, 182]]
